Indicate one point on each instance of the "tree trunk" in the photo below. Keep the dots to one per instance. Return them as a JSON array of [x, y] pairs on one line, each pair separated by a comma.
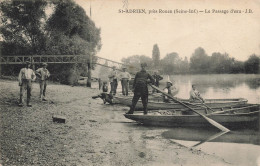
[[89, 71]]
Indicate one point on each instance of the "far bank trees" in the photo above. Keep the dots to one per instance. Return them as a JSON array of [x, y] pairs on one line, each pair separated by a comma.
[[200, 63]]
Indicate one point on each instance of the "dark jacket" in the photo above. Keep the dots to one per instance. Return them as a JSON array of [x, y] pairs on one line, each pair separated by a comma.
[[157, 78], [141, 80]]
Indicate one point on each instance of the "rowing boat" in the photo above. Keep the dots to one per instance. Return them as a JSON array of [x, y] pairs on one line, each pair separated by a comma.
[[152, 96], [156, 104], [240, 117]]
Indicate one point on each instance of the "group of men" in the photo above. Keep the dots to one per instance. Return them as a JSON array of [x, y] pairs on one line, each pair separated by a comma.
[[140, 86], [115, 77], [27, 76]]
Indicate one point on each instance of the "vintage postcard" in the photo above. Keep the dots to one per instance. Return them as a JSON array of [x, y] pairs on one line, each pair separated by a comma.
[[130, 82]]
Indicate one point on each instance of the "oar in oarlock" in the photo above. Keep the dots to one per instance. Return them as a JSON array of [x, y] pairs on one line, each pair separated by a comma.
[[214, 123], [202, 102]]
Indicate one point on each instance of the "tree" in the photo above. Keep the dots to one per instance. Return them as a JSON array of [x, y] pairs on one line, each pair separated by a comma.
[[156, 55], [237, 67], [170, 63], [199, 61], [184, 66], [68, 31], [22, 24], [135, 61], [220, 63], [79, 37], [252, 65]]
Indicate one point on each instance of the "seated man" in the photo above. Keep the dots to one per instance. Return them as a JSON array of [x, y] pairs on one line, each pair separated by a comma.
[[195, 94], [105, 96], [168, 89]]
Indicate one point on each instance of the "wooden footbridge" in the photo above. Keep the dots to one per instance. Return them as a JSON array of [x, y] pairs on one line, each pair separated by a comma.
[[61, 59]]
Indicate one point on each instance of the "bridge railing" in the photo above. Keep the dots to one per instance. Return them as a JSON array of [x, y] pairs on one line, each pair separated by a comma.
[[36, 59]]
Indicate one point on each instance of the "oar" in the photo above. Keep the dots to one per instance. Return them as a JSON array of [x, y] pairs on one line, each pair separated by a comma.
[[214, 123], [232, 109], [206, 105]]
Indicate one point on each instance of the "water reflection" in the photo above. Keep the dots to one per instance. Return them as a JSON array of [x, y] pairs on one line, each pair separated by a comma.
[[220, 86], [211, 138], [204, 135], [236, 147], [219, 80]]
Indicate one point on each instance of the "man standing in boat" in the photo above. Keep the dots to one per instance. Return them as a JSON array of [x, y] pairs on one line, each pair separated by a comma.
[[195, 94], [157, 78], [125, 77], [142, 78]]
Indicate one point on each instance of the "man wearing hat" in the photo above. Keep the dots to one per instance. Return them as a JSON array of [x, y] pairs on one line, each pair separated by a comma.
[[157, 79], [168, 90], [125, 77], [142, 78], [43, 75], [113, 77], [25, 78]]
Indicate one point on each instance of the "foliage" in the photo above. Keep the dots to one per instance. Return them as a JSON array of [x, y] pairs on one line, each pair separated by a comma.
[[173, 64], [135, 61], [199, 61], [78, 37], [252, 65], [68, 31], [22, 25], [170, 63], [156, 55]]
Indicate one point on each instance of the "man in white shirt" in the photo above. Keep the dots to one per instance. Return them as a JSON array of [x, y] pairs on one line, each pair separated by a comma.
[[113, 76], [195, 94], [43, 75], [25, 78], [125, 77], [168, 90]]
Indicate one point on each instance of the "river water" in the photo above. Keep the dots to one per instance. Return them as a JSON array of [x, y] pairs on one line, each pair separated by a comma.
[[240, 147]]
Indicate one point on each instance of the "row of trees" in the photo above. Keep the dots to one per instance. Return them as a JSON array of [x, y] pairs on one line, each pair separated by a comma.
[[44, 27], [200, 63]]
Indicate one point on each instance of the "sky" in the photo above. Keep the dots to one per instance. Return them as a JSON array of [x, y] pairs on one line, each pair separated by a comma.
[[127, 34]]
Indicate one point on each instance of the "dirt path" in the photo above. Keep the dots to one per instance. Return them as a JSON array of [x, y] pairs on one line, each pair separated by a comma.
[[94, 133]]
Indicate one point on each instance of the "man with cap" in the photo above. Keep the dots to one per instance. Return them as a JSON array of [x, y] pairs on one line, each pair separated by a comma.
[[142, 79], [25, 78], [43, 75], [125, 77], [157, 78], [113, 76]]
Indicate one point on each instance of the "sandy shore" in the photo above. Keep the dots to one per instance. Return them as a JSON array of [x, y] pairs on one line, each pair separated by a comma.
[[94, 133]]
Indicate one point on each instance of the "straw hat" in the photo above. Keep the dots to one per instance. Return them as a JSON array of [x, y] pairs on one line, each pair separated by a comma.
[[168, 80]]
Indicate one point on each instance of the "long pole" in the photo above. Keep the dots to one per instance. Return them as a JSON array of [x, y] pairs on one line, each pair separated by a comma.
[[214, 123]]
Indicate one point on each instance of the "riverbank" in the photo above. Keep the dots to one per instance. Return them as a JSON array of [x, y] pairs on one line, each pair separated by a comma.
[[94, 133]]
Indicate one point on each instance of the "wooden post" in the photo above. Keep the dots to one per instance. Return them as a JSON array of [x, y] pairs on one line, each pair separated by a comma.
[[32, 61], [0, 66], [1, 60], [89, 71]]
